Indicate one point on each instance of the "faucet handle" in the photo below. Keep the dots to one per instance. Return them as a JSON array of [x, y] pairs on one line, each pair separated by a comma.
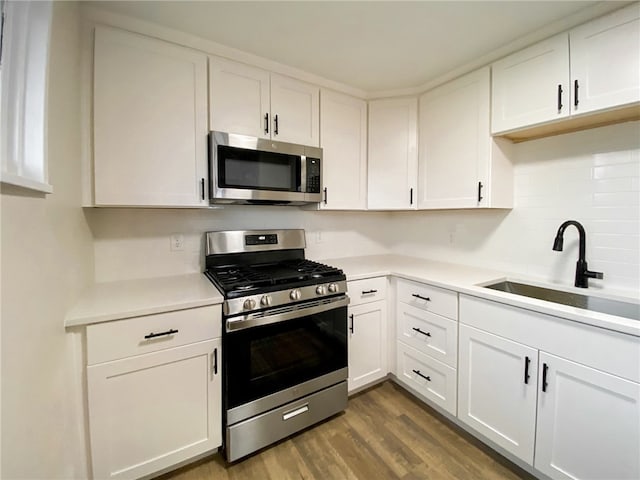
[[598, 275]]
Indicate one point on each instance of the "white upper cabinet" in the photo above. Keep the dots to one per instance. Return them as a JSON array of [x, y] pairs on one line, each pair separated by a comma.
[[393, 157], [343, 138], [531, 86], [605, 61], [460, 165], [295, 111], [149, 123], [593, 68], [249, 101], [239, 98]]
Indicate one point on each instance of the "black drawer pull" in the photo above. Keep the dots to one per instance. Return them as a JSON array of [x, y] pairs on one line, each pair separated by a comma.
[[421, 297], [426, 334], [215, 361], [367, 292], [527, 361], [559, 98], [545, 369], [351, 328], [417, 372], [161, 334]]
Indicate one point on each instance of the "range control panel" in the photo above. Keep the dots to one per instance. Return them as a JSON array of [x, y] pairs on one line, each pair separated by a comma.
[[270, 239]]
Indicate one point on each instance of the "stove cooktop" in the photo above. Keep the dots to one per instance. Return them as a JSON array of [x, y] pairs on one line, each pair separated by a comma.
[[239, 280]]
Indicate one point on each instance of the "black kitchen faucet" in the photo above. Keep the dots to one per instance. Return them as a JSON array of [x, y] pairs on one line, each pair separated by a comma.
[[583, 274]]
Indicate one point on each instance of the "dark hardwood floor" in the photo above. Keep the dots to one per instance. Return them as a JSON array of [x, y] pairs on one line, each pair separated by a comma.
[[385, 433]]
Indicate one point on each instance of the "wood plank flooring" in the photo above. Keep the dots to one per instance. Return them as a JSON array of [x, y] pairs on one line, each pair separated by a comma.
[[385, 433]]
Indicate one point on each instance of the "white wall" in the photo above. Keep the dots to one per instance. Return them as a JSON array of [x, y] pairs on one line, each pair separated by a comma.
[[47, 257], [591, 176], [134, 243]]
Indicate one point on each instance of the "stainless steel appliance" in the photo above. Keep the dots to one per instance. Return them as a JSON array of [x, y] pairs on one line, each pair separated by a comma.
[[284, 343], [251, 170]]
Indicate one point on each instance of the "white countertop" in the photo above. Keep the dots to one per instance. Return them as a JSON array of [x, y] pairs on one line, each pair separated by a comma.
[[469, 280], [131, 298], [117, 300]]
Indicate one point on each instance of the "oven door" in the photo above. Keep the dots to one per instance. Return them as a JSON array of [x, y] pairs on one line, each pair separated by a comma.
[[274, 357]]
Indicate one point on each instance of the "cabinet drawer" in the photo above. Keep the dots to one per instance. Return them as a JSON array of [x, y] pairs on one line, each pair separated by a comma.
[[429, 333], [434, 299], [367, 290], [125, 338], [429, 377]]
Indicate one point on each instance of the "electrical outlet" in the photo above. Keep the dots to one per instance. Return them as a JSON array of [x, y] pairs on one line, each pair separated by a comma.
[[177, 242]]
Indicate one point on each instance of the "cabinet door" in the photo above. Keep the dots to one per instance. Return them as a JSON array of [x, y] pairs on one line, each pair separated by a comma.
[[238, 98], [150, 121], [393, 159], [588, 422], [367, 343], [153, 411], [497, 390], [343, 138], [295, 111], [454, 142], [605, 61], [531, 86]]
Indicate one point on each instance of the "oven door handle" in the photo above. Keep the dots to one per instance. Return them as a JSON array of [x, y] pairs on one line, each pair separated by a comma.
[[285, 313]]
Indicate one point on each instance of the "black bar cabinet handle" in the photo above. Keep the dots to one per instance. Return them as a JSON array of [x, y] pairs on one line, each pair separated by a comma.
[[411, 196], [421, 297], [367, 292], [545, 369], [351, 328], [527, 361], [559, 97], [417, 372], [215, 361], [161, 334], [426, 334], [202, 188], [275, 124], [575, 93], [480, 197], [325, 195], [266, 123]]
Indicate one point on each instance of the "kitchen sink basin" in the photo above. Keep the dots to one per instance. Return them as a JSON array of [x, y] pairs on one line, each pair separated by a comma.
[[587, 302]]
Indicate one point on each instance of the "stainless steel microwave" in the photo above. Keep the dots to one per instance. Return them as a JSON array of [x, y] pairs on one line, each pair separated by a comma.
[[252, 170]]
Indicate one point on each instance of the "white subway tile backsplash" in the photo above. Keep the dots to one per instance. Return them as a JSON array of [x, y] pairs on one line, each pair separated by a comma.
[[629, 184], [616, 199], [617, 171], [592, 177]]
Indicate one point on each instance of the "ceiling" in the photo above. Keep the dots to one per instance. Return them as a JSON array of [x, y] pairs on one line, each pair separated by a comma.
[[373, 46]]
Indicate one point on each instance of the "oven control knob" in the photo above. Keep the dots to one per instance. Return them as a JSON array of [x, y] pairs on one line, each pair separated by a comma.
[[249, 304], [321, 290], [295, 294], [333, 288], [265, 301]]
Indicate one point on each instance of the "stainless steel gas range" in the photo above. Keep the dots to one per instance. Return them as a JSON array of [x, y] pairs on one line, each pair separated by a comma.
[[284, 343]]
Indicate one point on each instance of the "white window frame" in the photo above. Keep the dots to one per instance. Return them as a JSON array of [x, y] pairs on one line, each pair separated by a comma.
[[23, 94]]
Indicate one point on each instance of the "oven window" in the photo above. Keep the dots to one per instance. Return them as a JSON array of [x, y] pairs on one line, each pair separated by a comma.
[[264, 360], [251, 169]]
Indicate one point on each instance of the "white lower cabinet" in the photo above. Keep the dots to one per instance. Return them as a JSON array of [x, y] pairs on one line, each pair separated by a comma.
[[497, 390], [427, 341], [367, 331], [571, 414], [367, 343], [431, 378], [152, 410], [588, 422]]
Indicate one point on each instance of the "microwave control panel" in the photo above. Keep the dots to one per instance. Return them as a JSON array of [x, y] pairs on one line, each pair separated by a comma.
[[313, 175]]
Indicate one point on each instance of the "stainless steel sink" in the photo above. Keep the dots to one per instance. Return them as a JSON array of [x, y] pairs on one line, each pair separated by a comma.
[[587, 302]]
